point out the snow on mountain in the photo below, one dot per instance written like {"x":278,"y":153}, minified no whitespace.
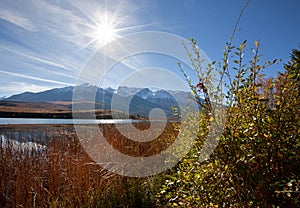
{"x":162,"y":94}
{"x":151,"y":93}
{"x":145,"y":93}
{"x":127,"y":91}
{"x":110,"y":90}
{"x":143,"y":99}
{"x":87,"y":92}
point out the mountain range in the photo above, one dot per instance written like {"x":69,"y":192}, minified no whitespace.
{"x":132,"y":100}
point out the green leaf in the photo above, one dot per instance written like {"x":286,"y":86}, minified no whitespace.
{"x":244,"y":126}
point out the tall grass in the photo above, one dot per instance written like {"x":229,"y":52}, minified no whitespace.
{"x":65,"y":176}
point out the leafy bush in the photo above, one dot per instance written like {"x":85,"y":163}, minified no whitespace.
{"x":256,"y":162}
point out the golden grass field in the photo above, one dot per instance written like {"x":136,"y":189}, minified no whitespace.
{"x":63,"y":175}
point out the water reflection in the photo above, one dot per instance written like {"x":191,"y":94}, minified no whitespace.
{"x":15,"y":121}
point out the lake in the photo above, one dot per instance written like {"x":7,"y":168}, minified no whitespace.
{"x":16,"y":121}
{"x":39,"y":130}
{"x":31,"y":133}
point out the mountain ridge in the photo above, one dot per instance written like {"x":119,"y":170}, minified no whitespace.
{"x":132,"y":100}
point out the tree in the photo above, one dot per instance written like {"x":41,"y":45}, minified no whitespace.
{"x":293,"y":66}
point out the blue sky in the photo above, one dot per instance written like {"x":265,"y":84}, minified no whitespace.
{"x":46,"y":44}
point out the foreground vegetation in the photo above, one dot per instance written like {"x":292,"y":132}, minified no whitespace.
{"x":65,"y":176}
{"x":257,"y":161}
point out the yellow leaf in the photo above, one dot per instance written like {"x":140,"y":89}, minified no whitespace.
{"x":256,"y":44}
{"x":197,"y":176}
{"x":226,"y":167}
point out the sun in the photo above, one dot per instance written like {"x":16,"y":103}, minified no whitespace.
{"x":104,"y":29}
{"x":105,"y":33}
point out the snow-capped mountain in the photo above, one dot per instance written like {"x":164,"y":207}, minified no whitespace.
{"x":162,"y":94}
{"x":146,"y":93}
{"x":142,"y":100}
{"x":127,"y":91}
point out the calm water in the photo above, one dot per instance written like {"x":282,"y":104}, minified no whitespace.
{"x":8,"y":121}
{"x":23,"y":136}
{"x":40,"y":134}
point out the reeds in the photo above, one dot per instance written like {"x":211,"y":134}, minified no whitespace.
{"x":65,"y":176}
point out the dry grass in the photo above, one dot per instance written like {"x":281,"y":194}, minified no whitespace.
{"x":65,"y":176}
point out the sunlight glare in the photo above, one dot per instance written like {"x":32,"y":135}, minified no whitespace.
{"x":105,"y":33}
{"x":104,"y":29}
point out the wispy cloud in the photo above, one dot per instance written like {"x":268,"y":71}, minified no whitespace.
{"x":17,"y":19}
{"x":35,"y":78}
{"x":34,"y":57}
{"x":20,"y":87}
{"x":55,"y":39}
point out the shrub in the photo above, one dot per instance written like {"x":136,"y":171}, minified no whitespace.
{"x":256,"y":162}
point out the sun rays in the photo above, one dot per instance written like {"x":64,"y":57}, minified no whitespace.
{"x":103,"y":24}
{"x":104,"y":28}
